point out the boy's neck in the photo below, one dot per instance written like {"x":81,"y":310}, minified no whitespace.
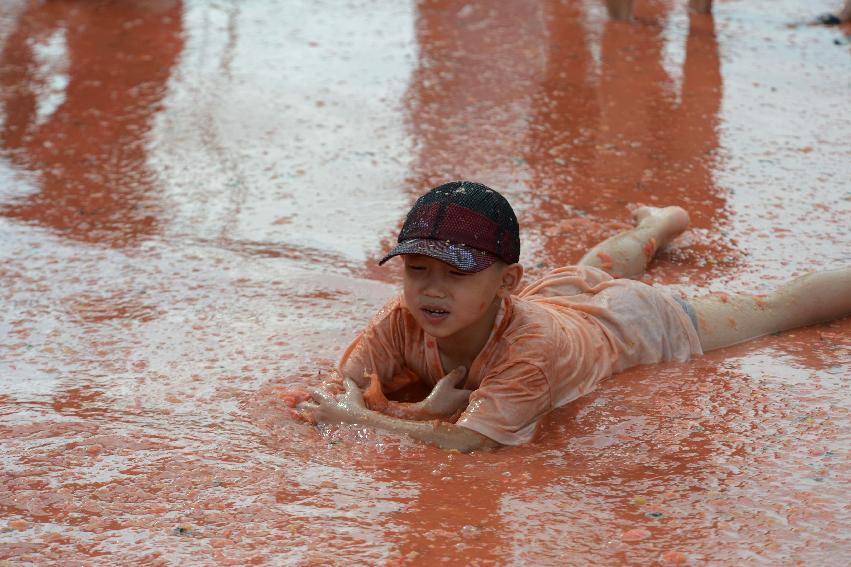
{"x":463,"y":347}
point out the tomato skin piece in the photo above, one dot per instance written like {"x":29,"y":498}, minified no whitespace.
{"x":373,"y":396}
{"x":292,"y":398}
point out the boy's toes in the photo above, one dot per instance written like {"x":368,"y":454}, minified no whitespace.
{"x":642,"y":212}
{"x":670,"y":220}
{"x":676,"y":218}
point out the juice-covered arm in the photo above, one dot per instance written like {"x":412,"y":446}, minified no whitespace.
{"x":349,"y":407}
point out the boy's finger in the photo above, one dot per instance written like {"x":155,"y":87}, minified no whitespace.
{"x":456,"y":376}
{"x":307,"y":406}
{"x":321,"y":396}
{"x":350,"y":385}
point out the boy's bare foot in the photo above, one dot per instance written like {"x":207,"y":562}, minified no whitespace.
{"x":670,"y":221}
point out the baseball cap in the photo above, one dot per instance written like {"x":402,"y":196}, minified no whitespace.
{"x":465,"y":224}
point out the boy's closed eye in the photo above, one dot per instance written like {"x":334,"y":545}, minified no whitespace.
{"x":418,"y":268}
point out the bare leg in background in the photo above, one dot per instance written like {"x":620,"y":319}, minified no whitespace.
{"x":700,"y":6}
{"x":621,"y":10}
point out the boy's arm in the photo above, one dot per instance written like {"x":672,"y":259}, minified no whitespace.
{"x":349,"y":407}
{"x":445,"y":399}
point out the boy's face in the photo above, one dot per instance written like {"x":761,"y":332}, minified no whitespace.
{"x":445,"y":301}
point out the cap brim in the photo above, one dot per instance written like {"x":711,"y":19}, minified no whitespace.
{"x":463,"y":258}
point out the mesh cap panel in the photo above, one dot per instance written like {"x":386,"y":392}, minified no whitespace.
{"x":463,"y":213}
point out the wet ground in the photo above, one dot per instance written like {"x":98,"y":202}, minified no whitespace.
{"x":192,"y":199}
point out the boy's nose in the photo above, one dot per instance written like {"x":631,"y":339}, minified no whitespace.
{"x":433,"y":287}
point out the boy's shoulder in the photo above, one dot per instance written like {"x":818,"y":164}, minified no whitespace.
{"x":553,"y":337}
{"x":532,"y":318}
{"x":392,"y":307}
{"x":531,"y":332}
{"x":394,"y":313}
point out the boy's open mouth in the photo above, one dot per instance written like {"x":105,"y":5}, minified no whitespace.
{"x":434,"y":314}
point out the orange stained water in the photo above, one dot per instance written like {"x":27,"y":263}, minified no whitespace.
{"x":192,"y":199}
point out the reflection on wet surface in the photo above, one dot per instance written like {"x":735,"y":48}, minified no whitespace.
{"x":79,"y":94}
{"x":192,"y":196}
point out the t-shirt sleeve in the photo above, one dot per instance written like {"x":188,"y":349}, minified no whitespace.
{"x":379,"y":348}
{"x":509,"y":404}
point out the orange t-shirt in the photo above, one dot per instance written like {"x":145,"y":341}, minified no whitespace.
{"x":551,"y":343}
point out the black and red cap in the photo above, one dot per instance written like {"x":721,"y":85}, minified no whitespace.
{"x":465,"y":224}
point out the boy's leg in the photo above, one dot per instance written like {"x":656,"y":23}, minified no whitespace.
{"x":626,"y":255}
{"x":725,"y":320}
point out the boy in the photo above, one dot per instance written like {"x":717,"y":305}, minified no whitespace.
{"x":517,"y":357}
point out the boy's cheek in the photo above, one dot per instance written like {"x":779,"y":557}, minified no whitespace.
{"x":407,"y":303}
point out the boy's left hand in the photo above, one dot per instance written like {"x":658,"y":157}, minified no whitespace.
{"x":348,"y":407}
{"x":446,"y":397}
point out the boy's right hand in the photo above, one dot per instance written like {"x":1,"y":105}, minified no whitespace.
{"x":446,"y":398}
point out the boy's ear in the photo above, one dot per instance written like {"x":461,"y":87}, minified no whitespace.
{"x":511,"y":276}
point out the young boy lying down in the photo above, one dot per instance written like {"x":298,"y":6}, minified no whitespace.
{"x":498,"y":358}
